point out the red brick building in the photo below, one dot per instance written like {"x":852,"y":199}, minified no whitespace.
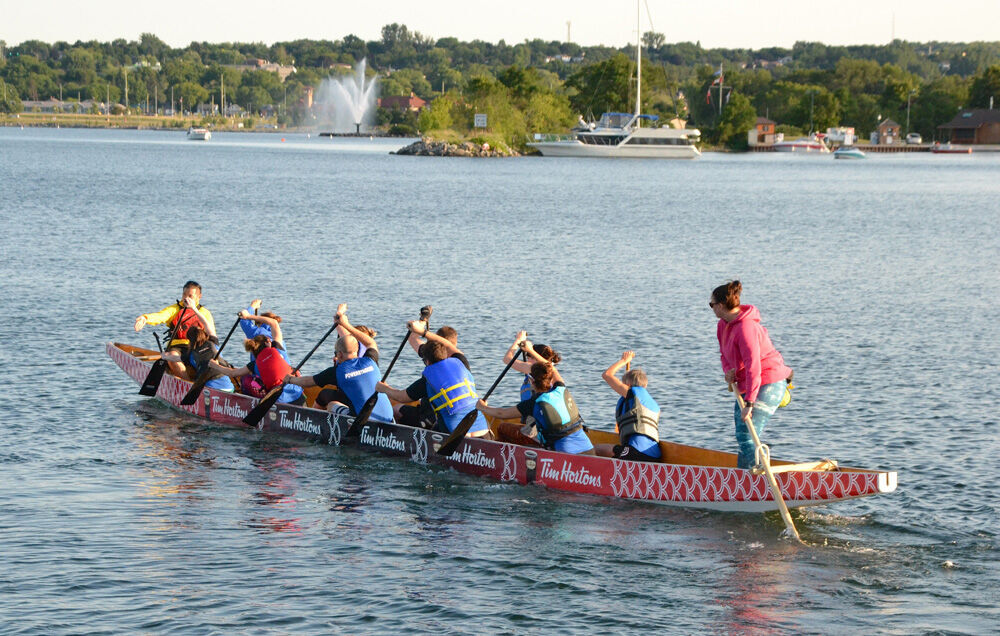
{"x":402,"y":102}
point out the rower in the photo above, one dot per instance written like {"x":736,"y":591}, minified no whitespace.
{"x":203,"y":345}
{"x":560,"y":426}
{"x":637,"y":415}
{"x":269,"y":364}
{"x":525,"y":434}
{"x":422,"y":415}
{"x":447,"y":385}
{"x":352,"y":378}
{"x":180,"y":316}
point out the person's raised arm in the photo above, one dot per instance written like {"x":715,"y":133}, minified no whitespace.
{"x":344,"y":327}
{"x":246,"y":324}
{"x":529,"y":348}
{"x":433,"y":337}
{"x":521,"y":366}
{"x":416,"y":327}
{"x":273,"y":324}
{"x":610,"y":376}
{"x":203,"y":315}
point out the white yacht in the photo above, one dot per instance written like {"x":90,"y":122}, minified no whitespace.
{"x":199,"y":134}
{"x":622,"y":134}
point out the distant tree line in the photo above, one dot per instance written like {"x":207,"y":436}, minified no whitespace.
{"x":532,"y":86}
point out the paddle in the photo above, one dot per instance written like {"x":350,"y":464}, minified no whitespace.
{"x":266,"y":402}
{"x":764,"y":455}
{"x":451,"y":443}
{"x":369,"y":405}
{"x":192,"y":395}
{"x":155,"y":375}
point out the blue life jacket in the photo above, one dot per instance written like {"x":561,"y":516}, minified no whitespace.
{"x":451,"y":392}
{"x":527,"y":390}
{"x":557,"y":416}
{"x":357,"y":379}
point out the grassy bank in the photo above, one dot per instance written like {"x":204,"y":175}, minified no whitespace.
{"x":154,"y":122}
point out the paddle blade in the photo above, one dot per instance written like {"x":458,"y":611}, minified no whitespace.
{"x":153,"y":378}
{"x":451,"y":443}
{"x":363,"y":415}
{"x":192,"y":395}
{"x":265,"y":404}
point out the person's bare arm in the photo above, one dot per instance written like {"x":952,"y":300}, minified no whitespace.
{"x":610,"y":376}
{"x":396,"y":395}
{"x":502,"y":412}
{"x":344,"y":327}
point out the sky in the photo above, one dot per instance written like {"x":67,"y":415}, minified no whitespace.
{"x":720,"y":23}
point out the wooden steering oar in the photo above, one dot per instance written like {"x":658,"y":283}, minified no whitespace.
{"x":765,"y":456}
{"x":366,"y":410}
{"x":192,"y":395}
{"x":449,"y":445}
{"x":266,"y":402}
{"x":155,"y":375}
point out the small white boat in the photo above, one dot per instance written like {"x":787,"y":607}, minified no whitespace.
{"x":813,"y":143}
{"x":948,"y":149}
{"x":848,"y":152}
{"x":199,"y":134}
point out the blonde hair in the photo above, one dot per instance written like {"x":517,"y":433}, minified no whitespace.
{"x":635,"y":377}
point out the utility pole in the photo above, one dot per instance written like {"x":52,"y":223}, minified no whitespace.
{"x":222,"y":98}
{"x":568,"y":39}
{"x":125,"y":71}
{"x":156,"y":99}
{"x":173,"y":113}
{"x":107,"y":103}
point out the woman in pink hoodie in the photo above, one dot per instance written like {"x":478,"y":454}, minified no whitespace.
{"x":751,"y":361}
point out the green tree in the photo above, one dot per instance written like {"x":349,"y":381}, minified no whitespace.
{"x":985,"y":85}
{"x":738,"y":116}
{"x":603,"y":87}
{"x":9,"y":101}
{"x":190,"y":95}
{"x":939,"y":101}
{"x":438,"y":116}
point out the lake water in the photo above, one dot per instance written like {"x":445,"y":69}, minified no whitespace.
{"x":876,"y":279}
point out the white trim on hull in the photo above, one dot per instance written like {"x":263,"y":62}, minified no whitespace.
{"x":628,"y":151}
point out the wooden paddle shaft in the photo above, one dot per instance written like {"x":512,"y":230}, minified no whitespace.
{"x":766,"y":457}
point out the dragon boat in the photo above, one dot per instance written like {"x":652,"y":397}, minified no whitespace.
{"x":687,"y":476}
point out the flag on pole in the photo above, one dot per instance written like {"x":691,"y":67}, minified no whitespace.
{"x":715,"y":82}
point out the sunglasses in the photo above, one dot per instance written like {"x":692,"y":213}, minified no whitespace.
{"x":712,"y":304}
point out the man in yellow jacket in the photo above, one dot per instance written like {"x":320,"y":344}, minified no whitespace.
{"x":188,"y":312}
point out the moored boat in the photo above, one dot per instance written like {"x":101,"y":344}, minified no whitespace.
{"x":949,"y":149}
{"x":622,"y":135}
{"x":812,"y":144}
{"x":849,"y":152}
{"x":199,"y":134}
{"x":688,"y":476}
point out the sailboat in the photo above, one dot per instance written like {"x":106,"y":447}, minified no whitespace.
{"x":622,"y":134}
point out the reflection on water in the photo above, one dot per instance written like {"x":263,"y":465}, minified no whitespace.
{"x":278,"y":492}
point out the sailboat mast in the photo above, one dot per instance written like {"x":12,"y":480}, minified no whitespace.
{"x":638,"y":63}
